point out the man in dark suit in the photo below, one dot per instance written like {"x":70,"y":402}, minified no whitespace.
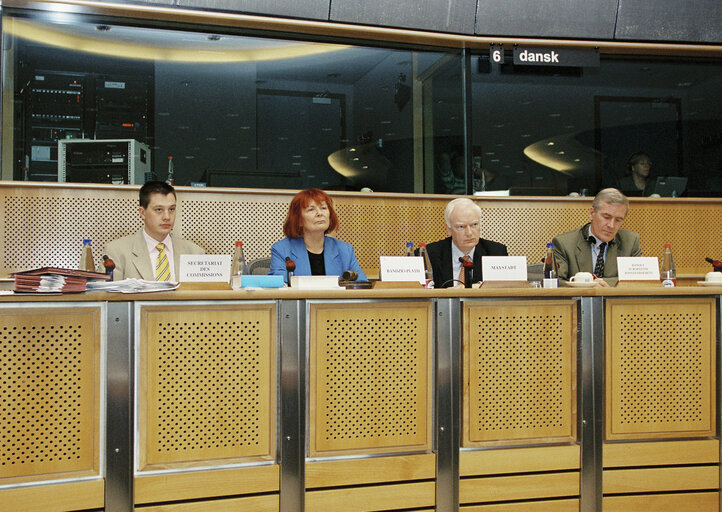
{"x":463,"y":224}
{"x":595,"y":246}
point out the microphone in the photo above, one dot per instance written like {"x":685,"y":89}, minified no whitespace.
{"x":109,"y":266}
{"x":715,"y":263}
{"x":290,"y":269}
{"x":349,"y":275}
{"x":468,"y":267}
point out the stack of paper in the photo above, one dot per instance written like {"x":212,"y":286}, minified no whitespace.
{"x":54,"y":280}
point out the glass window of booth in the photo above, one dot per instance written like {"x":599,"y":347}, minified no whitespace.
{"x":92,"y":99}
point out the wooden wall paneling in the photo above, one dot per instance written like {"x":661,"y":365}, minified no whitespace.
{"x":207,"y":385}
{"x":254,"y":503}
{"x":518,"y":487}
{"x":563,"y":505}
{"x":375,"y":497}
{"x":195,"y":485}
{"x":650,"y":480}
{"x":519,"y":460}
{"x":59,"y":497}
{"x":661,"y":453}
{"x":699,"y":502}
{"x":371,"y":376}
{"x":331,"y":473}
{"x":660,"y":368}
{"x":51,"y":396}
{"x":519,"y":360}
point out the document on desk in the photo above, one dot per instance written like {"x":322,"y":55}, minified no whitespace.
{"x":132,"y":286}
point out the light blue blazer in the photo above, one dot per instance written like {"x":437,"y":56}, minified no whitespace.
{"x":338,"y":256}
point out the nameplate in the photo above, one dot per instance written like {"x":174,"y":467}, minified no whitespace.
{"x":402,"y":268}
{"x":568,"y":57}
{"x":503,"y":268}
{"x":208,"y":268}
{"x":640,"y":268}
{"x":314,"y":282}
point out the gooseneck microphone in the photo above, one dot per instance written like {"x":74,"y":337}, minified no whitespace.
{"x":109,"y":266}
{"x":468,"y":267}
{"x":290,"y":269}
{"x":715,"y":263}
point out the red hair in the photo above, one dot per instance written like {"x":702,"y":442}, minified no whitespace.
{"x":293,"y":226}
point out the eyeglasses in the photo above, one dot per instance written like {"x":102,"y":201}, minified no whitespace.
{"x":474,"y":226}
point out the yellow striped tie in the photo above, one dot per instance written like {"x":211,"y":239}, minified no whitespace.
{"x":162,"y":269}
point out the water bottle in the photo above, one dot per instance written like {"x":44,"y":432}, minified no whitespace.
{"x":239,"y":267}
{"x":86,"y":256}
{"x":171,"y":175}
{"x":668,"y":274}
{"x":428,"y":272}
{"x":409,"y":248}
{"x":550,"y":268}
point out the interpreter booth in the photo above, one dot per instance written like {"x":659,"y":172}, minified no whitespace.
{"x":518,"y":399}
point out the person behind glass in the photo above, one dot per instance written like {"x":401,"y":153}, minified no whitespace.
{"x":310,"y":217}
{"x":153,"y":253}
{"x":637,"y":181}
{"x":463,"y":225}
{"x":596,"y":245}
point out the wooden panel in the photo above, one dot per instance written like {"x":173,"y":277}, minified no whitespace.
{"x":384,"y":497}
{"x":519,"y":460}
{"x":698,"y":502}
{"x":660,"y":368}
{"x":205,"y":484}
{"x":370,"y":377}
{"x":207,"y":384}
{"x":50,"y":393}
{"x":370,"y":470}
{"x":54,"y":497}
{"x":520,"y":372}
{"x":661,"y":453}
{"x":254,"y":503}
{"x":570,"y":505}
{"x":617,"y":481}
{"x":520,"y":487}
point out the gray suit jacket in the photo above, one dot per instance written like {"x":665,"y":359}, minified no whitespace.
{"x":130,"y":255}
{"x":572,"y":253}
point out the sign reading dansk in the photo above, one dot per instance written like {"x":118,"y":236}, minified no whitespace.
{"x":556,"y":57}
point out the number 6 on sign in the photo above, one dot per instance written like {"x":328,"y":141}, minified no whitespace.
{"x":496,"y":54}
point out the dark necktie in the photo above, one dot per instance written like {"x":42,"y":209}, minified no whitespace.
{"x":599,"y":266}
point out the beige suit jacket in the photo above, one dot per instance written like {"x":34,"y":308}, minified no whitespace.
{"x":130,"y":255}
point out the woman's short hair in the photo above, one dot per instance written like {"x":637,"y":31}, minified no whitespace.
{"x":293,"y":225}
{"x":635,"y":158}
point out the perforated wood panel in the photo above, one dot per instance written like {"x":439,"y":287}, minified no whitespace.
{"x":207,"y":381}
{"x":44,"y":224}
{"x":50,"y":393}
{"x":660,"y":368}
{"x":519,"y":372}
{"x":371,"y":376}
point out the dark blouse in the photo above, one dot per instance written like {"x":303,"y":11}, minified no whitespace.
{"x":318,"y":267}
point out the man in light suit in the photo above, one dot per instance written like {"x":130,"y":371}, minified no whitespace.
{"x":595,"y":246}
{"x":152,"y":250}
{"x":463,"y":225}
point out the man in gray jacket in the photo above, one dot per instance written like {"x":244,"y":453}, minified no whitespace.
{"x":595,"y":246}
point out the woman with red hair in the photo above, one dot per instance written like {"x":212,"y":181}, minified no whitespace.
{"x":310,"y":217}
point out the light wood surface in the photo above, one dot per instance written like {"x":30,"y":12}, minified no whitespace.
{"x":370,"y":470}
{"x":649,"y":480}
{"x":660,"y":368}
{"x":51,"y":393}
{"x":207,"y":384}
{"x":569,"y":505}
{"x":370,"y":377}
{"x":705,"y":451}
{"x":206,"y":484}
{"x":251,"y":503}
{"x":371,"y":498}
{"x":518,"y":487}
{"x":54,"y":498}
{"x":520,"y":370}
{"x":519,"y":460}
{"x":692,"y":502}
